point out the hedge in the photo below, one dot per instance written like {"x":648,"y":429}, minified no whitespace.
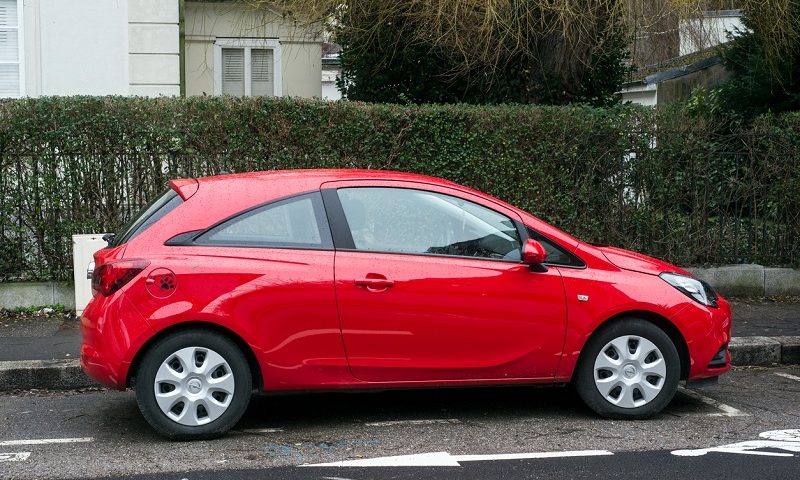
{"x":658,"y":181}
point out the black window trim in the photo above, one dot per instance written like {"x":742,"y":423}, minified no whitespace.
{"x":580,"y":263}
{"x":133,"y":228}
{"x":340,"y":229}
{"x":343,"y":238}
{"x":189,"y":239}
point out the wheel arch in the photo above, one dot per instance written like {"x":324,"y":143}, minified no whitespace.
{"x":252,"y":361}
{"x":659,"y":321}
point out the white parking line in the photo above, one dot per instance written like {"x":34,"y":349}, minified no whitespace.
{"x":14,"y":457}
{"x":45,"y":441}
{"x":788,"y":375}
{"x":391,"y":423}
{"x":259,"y":431}
{"x":444,"y":459}
{"x":725,"y":410}
{"x":787,"y":440}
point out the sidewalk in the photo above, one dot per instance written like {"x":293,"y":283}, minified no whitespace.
{"x":29,"y":337}
{"x":43,"y":351}
{"x":765,"y":317}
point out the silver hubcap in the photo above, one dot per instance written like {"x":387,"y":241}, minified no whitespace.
{"x":630,"y":371}
{"x":194,"y":386}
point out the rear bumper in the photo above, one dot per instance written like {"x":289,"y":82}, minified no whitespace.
{"x":112,"y":331}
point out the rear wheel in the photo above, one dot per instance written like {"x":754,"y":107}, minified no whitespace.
{"x":193,"y":385}
{"x":628,"y":370}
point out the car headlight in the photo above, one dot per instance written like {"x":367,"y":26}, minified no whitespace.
{"x":693,"y":288}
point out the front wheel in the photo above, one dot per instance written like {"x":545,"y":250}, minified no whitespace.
{"x":193,"y":385}
{"x":628,"y":370}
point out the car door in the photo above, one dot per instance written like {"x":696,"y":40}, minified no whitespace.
{"x":430,"y":286}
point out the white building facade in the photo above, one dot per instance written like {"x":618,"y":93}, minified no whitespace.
{"x":713,"y":28}
{"x":709,"y":30}
{"x":153,"y":48}
{"x":89,"y":47}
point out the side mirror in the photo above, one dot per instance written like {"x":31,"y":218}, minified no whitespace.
{"x":534,"y":254}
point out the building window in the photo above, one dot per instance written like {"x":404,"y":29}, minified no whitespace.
{"x":247,"y":67}
{"x":11,"y":72}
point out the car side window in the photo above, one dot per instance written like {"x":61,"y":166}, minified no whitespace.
{"x":405,"y":220}
{"x":294,"y":222}
{"x":556,"y":254}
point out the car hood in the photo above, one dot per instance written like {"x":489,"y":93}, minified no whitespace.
{"x":637,"y":262}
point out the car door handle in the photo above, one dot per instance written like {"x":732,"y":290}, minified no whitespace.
{"x":375,"y":284}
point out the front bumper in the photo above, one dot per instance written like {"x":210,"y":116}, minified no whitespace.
{"x":707,"y":332}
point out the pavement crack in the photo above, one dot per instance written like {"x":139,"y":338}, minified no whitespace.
{"x":73,"y":417}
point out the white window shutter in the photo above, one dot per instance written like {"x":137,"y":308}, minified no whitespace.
{"x":9,"y":45}
{"x":233,"y":71}
{"x":8,"y":13}
{"x":9,"y":81}
{"x":9,"y":49}
{"x":261,"y":72}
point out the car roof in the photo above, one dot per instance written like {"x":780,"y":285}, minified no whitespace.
{"x":319,"y":176}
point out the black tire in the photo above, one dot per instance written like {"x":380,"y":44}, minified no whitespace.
{"x":159,"y":353}
{"x":584,"y":378}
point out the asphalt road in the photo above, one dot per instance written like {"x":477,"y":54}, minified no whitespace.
{"x":644,"y":465}
{"x":455,"y":433}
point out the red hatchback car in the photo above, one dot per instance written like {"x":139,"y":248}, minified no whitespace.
{"x":334,"y":279}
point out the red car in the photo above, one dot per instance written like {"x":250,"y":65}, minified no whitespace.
{"x":341,"y":279}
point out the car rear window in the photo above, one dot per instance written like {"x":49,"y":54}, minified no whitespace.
{"x":148,"y":215}
{"x":297,"y":222}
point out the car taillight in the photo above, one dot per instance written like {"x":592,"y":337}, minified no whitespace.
{"x":110,"y":277}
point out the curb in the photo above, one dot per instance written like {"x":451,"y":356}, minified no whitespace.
{"x":43,"y":374}
{"x":67,"y":374}
{"x":764,"y":350}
